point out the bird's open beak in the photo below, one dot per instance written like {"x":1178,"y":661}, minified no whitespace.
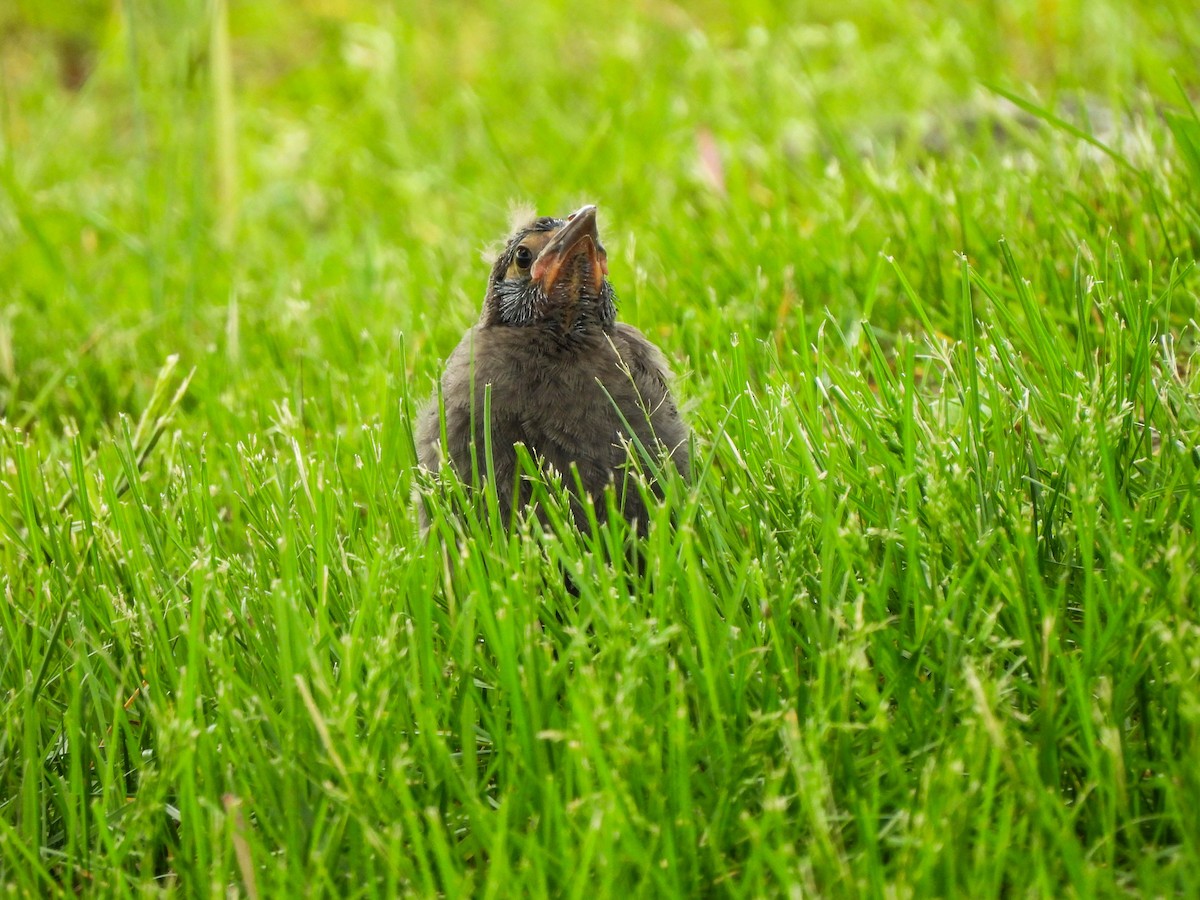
{"x":578,"y":236}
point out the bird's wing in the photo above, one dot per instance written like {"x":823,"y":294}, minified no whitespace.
{"x":455,"y":391}
{"x":647,"y":367}
{"x":428,"y":436}
{"x":645,"y":362}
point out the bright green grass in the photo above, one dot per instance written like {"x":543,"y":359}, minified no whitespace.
{"x":927,"y":620}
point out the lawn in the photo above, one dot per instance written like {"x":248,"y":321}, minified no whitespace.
{"x":925,"y":619}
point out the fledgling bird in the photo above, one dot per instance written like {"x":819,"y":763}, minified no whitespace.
{"x":567,"y":379}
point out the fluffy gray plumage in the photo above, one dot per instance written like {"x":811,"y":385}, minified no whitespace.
{"x":564,"y":374}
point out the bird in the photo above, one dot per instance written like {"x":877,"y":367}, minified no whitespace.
{"x":580,"y":390}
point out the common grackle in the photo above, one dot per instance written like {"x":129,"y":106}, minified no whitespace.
{"x":567,"y":380}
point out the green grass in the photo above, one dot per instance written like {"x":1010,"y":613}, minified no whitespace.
{"x":926,"y":622}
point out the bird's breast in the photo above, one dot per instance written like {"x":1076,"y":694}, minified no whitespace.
{"x":548,"y":396}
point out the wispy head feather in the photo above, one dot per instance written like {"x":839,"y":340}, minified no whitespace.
{"x":520,"y":215}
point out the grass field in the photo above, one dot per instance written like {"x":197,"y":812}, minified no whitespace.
{"x":926,"y":622}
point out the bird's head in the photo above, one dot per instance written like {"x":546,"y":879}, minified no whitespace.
{"x":553,"y":273}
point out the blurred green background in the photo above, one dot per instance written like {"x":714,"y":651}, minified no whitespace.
{"x":329,"y":171}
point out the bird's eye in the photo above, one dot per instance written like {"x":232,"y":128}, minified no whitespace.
{"x":524,"y":257}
